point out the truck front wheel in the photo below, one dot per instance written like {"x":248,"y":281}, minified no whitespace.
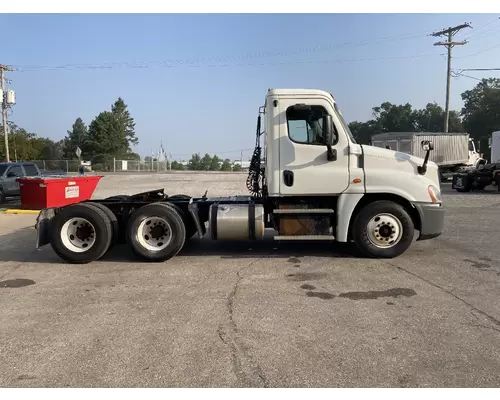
{"x":383,"y":229}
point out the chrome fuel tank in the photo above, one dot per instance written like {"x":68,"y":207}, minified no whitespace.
{"x":236,"y":222}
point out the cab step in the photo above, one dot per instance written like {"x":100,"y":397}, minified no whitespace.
{"x":304,"y":237}
{"x":303,"y":211}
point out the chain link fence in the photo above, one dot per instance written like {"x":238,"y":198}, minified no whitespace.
{"x":113,"y":165}
{"x":57,"y":166}
{"x":140,"y":166}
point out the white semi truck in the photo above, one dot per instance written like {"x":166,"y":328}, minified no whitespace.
{"x":452,"y":151}
{"x":485,"y":174}
{"x":314,"y":182}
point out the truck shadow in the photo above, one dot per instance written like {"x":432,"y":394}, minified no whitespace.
{"x":267,"y":248}
{"x":19,"y":246}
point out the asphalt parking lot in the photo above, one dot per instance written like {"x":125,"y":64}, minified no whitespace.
{"x":255,"y":314}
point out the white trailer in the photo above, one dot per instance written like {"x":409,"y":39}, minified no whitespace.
{"x":452,"y":151}
{"x":495,"y":147}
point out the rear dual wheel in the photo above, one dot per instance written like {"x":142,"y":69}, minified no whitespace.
{"x":156,"y":232}
{"x":83,"y":232}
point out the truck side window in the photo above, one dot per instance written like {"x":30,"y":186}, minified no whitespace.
{"x":30,"y":170}
{"x":306,"y":127}
{"x":17,"y":170}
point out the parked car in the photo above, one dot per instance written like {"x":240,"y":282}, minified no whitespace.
{"x":9,"y":172}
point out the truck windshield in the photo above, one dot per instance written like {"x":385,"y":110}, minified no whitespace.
{"x":2,"y":169}
{"x":344,"y":124}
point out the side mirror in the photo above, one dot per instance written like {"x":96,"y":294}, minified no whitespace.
{"x":11,"y":175}
{"x":427,"y":145}
{"x":328,"y":130}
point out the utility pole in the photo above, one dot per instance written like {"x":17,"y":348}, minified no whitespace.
{"x":449,"y":33}
{"x":4,"y":68}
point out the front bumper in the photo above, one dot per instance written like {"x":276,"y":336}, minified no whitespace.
{"x":431,"y":220}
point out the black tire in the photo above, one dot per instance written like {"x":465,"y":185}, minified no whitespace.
{"x":114,"y":223}
{"x":361,"y":234}
{"x":103,"y":232}
{"x":2,"y":196}
{"x":177,"y":231}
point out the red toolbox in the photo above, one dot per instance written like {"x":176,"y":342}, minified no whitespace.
{"x":55,"y":191}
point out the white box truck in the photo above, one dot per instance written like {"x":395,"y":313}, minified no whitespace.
{"x":452,"y":151}
{"x":495,"y":147}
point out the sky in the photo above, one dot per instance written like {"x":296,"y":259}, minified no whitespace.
{"x":194,"y":82}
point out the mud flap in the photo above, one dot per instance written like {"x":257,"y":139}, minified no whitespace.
{"x":42,"y":226}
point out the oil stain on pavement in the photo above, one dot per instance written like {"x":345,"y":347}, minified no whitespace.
{"x":16,"y":283}
{"x":375,"y":294}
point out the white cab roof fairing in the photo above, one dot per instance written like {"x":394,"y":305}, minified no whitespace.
{"x":297,"y":92}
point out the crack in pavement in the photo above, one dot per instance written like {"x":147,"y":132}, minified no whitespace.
{"x":247,"y":371}
{"x":491,"y":318}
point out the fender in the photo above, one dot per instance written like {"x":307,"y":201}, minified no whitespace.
{"x":345,"y":206}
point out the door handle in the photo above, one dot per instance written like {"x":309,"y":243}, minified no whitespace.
{"x":288,"y":177}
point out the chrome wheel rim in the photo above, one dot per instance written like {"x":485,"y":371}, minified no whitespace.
{"x":385,"y":230}
{"x":78,"y":235}
{"x":154,"y":234}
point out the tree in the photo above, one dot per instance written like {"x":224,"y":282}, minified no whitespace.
{"x":194,"y":163}
{"x":215,"y":164}
{"x":132,"y":156}
{"x":75,"y":138}
{"x":27,"y":146}
{"x":394,"y":118}
{"x":363,"y":131}
{"x":105,"y":139}
{"x":431,"y":119}
{"x":206,"y":162}
{"x":127,"y":124}
{"x":226,"y":165}
{"x":481,"y":110}
{"x":237,"y":167}
{"x":48,"y":149}
{"x":177,"y":166}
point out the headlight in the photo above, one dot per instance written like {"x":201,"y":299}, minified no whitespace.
{"x":434,"y":194}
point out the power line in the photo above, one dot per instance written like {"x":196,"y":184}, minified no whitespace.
{"x":479,"y":52}
{"x":449,"y":44}
{"x":459,"y":74}
{"x":476,"y":30}
{"x":165,"y":65}
{"x":480,"y":69}
{"x":239,"y":57}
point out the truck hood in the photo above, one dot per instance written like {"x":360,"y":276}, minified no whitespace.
{"x":397,"y":162}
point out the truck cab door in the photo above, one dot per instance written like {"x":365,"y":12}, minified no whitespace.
{"x":307,"y":167}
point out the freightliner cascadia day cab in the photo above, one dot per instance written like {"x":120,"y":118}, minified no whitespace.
{"x":308,"y":180}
